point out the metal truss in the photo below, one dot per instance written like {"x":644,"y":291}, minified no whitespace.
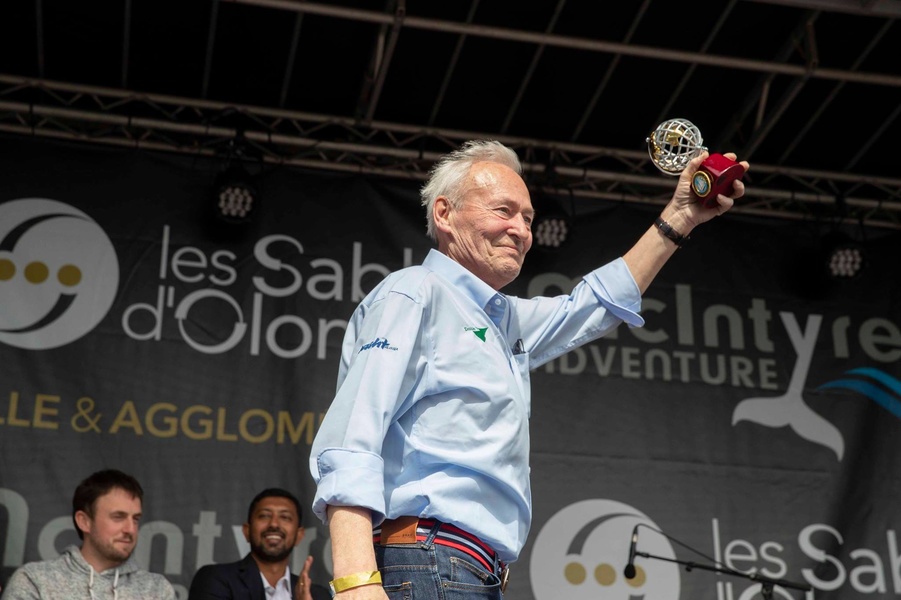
{"x":111,"y":117}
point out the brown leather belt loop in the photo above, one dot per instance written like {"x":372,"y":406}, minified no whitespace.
{"x":401,"y":530}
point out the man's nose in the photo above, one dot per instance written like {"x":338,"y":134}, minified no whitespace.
{"x":520,"y":227}
{"x":273,"y":523}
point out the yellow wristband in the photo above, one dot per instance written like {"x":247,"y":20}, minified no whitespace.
{"x":354,"y":580}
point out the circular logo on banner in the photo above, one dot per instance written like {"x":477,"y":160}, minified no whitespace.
{"x":580,"y":554}
{"x":58,"y":273}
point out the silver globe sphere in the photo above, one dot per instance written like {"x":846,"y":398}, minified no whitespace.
{"x":673,"y":144}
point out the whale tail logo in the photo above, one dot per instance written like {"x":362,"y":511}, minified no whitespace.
{"x":789,"y":409}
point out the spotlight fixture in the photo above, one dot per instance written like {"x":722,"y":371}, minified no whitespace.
{"x":235,"y":197}
{"x":552,"y":227}
{"x":846,"y":261}
{"x":551,"y":231}
{"x":845,"y":258}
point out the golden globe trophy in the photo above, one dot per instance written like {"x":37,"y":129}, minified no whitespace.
{"x":674,"y":143}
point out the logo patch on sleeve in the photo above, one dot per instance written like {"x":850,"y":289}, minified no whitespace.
{"x":380,"y":344}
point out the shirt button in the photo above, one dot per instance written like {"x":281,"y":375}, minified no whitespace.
{"x":497,"y":301}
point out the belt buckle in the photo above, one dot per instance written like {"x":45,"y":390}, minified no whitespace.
{"x":505,"y":577}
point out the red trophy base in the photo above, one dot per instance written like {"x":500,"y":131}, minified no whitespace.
{"x":715,"y":177}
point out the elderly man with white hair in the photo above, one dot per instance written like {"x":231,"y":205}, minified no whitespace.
{"x":422,"y":461}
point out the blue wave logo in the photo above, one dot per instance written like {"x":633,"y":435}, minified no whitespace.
{"x":873,"y":388}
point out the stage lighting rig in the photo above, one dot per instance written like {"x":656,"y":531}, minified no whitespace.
{"x":235,"y":197}
{"x":845,"y":258}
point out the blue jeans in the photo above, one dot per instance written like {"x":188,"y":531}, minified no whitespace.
{"x":428,"y":571}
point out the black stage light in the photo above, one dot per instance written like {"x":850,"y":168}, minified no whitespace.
{"x":235,"y":197}
{"x":845,"y":258}
{"x":551,"y":231}
{"x":552,"y":227}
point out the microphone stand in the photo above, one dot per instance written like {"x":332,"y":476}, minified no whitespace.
{"x":766,"y":583}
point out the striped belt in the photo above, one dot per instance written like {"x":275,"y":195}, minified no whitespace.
{"x":410,"y":530}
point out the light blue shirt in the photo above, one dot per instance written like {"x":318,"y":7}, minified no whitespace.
{"x":282,"y":589}
{"x":431,"y":416}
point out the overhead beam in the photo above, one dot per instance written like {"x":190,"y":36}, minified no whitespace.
{"x":289,"y":64}
{"x":530,"y":70}
{"x":579,"y":43}
{"x":387,"y":54}
{"x":210,"y":46}
{"x":451,"y":66}
{"x":126,"y":43}
{"x":117,"y":117}
{"x":112,"y":100}
{"x":873,"y":8}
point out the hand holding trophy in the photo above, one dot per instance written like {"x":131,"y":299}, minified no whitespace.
{"x":675,"y":142}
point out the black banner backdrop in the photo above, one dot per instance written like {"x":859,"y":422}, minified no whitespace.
{"x":754,"y":419}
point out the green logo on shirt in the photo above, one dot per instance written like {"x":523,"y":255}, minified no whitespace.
{"x":480,"y":332}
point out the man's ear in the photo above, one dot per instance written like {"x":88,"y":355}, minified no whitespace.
{"x":83,"y":520}
{"x":441,"y":213}
{"x":300,"y":533}
{"x":246,"y":529}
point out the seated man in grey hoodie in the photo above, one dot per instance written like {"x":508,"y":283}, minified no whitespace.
{"x":106,"y":509}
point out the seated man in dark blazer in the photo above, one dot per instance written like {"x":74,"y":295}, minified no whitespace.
{"x":273,"y":529}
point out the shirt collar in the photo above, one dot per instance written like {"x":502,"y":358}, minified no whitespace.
{"x":480,"y":292}
{"x":492,"y":302}
{"x":283,"y":583}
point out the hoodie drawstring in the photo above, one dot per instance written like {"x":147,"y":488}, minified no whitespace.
{"x":115,"y":584}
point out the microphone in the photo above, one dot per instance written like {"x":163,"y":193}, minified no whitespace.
{"x":629,"y":569}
